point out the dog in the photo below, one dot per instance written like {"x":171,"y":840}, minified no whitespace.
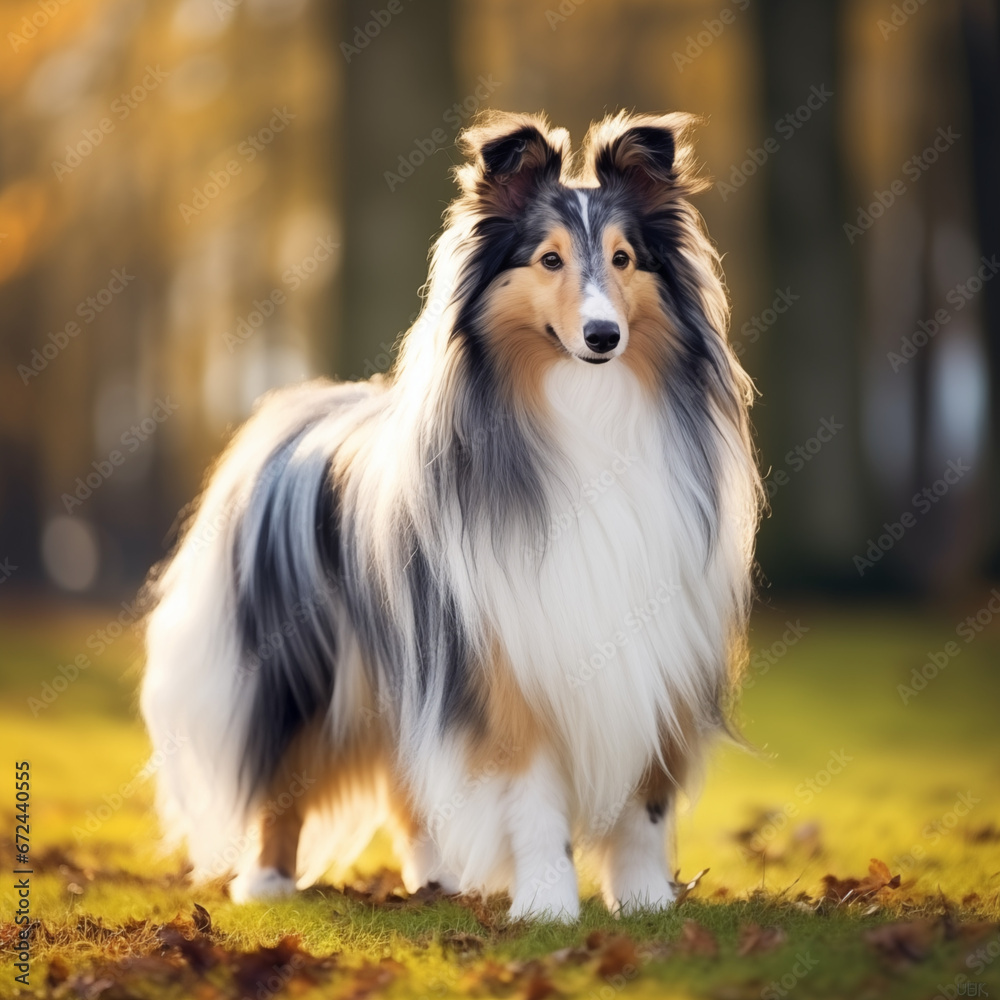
{"x":494,"y":601}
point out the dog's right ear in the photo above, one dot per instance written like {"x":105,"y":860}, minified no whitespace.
{"x":510,"y":157}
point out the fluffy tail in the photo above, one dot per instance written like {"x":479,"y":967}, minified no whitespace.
{"x":242,"y":641}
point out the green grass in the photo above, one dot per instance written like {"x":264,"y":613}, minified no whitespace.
{"x":915,"y":785}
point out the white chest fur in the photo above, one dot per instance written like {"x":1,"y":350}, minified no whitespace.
{"x":605,"y":627}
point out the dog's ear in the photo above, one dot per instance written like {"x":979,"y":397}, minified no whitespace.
{"x":511,"y":156}
{"x":645,"y":152}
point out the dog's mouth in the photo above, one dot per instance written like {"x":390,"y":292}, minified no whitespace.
{"x":592,"y":360}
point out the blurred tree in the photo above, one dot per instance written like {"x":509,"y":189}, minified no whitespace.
{"x":398,"y":122}
{"x":808,"y":370}
{"x":981,"y":34}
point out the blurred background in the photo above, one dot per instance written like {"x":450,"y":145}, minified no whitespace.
{"x":203,"y":199}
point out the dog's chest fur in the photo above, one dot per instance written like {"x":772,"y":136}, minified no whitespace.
{"x":600,"y":640}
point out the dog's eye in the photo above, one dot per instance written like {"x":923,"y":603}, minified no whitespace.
{"x":551,"y":261}
{"x":620,"y":259}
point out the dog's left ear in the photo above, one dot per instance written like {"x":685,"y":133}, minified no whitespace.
{"x":511,"y":156}
{"x":646,"y":152}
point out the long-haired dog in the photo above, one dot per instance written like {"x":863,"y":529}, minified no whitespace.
{"x":493,"y":600}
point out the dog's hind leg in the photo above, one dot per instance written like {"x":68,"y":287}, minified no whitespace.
{"x":635,"y":854}
{"x":418,"y":854}
{"x":272,"y":875}
{"x":634,"y":872}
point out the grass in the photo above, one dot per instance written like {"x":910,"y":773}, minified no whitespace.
{"x":846,"y":772}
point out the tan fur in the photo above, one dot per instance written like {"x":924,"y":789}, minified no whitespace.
{"x":513,"y":730}
{"x":648,"y":333}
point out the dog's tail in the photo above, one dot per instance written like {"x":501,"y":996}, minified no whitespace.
{"x":242,"y":641}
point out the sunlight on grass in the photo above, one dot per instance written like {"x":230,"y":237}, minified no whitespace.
{"x":845,"y":772}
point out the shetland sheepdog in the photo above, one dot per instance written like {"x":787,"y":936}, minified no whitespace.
{"x":493,"y":601}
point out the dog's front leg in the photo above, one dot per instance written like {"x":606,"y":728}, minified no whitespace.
{"x":536,"y":812}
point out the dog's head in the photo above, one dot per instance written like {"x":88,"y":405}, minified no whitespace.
{"x":571,"y":264}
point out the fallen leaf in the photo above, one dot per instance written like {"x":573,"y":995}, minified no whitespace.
{"x":617,"y":955}
{"x":757,"y":940}
{"x":684,"y":889}
{"x":902,"y":943}
{"x":58,"y":971}
{"x":850,"y":890}
{"x":202,"y":919}
{"x":697,"y":940}
{"x":538,"y":987}
{"x":462,"y":943}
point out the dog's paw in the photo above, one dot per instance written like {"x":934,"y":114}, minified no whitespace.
{"x":648,"y":896}
{"x":260,"y":883}
{"x":422,"y":866}
{"x":533,"y":905}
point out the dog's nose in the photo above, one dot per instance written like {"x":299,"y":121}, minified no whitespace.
{"x":601,"y":335}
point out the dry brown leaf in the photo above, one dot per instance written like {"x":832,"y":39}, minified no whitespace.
{"x":58,"y":971}
{"x":697,"y":940}
{"x":849,"y":890}
{"x":902,"y":943}
{"x":462,"y":943}
{"x":538,"y":987}
{"x":201,"y":919}
{"x":757,"y":940}
{"x":684,"y":889}
{"x":373,"y":978}
{"x":616,"y":956}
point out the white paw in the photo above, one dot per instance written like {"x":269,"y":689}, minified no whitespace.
{"x":639,"y":895}
{"x":260,"y":883}
{"x":547,"y":902}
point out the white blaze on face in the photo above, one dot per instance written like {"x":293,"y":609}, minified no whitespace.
{"x":596,"y":304}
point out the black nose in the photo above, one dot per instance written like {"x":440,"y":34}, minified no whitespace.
{"x":601,"y":335}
